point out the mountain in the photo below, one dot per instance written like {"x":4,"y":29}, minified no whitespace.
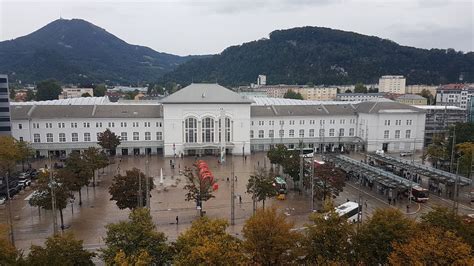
{"x":325,"y":56}
{"x":78,"y":51}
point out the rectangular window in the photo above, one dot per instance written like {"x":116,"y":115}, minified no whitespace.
{"x":260,"y":134}
{"x":398,"y":122}
{"x":351,"y":132}
{"x":87,"y":125}
{"x":98,"y":124}
{"x":73,"y":125}
{"x":292,"y":122}
{"x":147,"y":135}
{"x":301,"y":133}
{"x":251,"y":134}
{"x":147,"y":124}
{"x":301,"y":122}
{"x":281,"y":133}
{"x":35,"y":125}
{"x":49,"y":125}
{"x":87,"y":136}
{"x":342,"y":122}
{"x":386,"y":134}
{"x":408,"y":134}
{"x":36,"y":138}
{"x":49,"y":137}
{"x":111,"y":124}
{"x":136,"y":136}
{"x":409,"y":122}
{"x":74,"y":137}
{"x":282,"y":122}
{"x":159,"y":135}
{"x":387,"y":122}
{"x":331,"y":132}
{"x":20,"y":126}
{"x":251,"y":123}
{"x":311,"y":132}
{"x":322,"y":122}
{"x":158,"y":124}
{"x":123,"y":124}
{"x":61,"y":125}
{"x":271,"y":133}
{"x":341,"y":132}
{"x":321,"y":132}
{"x":123,"y":136}
{"x":292,"y":133}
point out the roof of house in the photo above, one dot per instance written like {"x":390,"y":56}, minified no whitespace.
{"x":203,"y":93}
{"x":301,"y":110}
{"x":385,"y":107}
{"x":411,"y":97}
{"x":19,"y":112}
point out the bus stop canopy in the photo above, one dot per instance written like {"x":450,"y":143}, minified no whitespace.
{"x":418,"y":168}
{"x":373,"y":173}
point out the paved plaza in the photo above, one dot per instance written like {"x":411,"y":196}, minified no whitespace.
{"x":87,"y":222}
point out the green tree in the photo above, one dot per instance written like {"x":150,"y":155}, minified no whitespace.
{"x":8,"y":253}
{"x":207,"y":243}
{"x":261,"y":185}
{"x":269,"y":239}
{"x":142,"y":259}
{"x":427,"y":94}
{"x":60,"y":250}
{"x":375,"y":238}
{"x":78,"y":173}
{"x":437,"y":152}
{"x":198,"y":189}
{"x":291,"y":165}
{"x":277,"y":154}
{"x":432,"y":247}
{"x":373,"y":90}
{"x":42,"y":197}
{"x":447,"y":220}
{"x":125,"y":189}
{"x":99,"y":90}
{"x":360,"y":88}
{"x":86,"y":94}
{"x":94,"y":160}
{"x":348,"y":91}
{"x":11,"y":152}
{"x":290,"y":94}
{"x":466,"y":150}
{"x":327,"y":238}
{"x":12,"y":93}
{"x":30,"y":95}
{"x":108,"y":140}
{"x":134,"y":238}
{"x":328,"y":181}
{"x":47,"y":90}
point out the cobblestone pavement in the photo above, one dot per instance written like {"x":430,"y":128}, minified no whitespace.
{"x":87,"y":222}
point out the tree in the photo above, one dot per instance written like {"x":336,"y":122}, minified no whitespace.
{"x":11,"y":152}
{"x":446,"y":220}
{"x":8,"y":254}
{"x":25,"y":152}
{"x":373,"y":90}
{"x":427,"y":94}
{"x":47,"y":90}
{"x":125,"y":189}
{"x":277,"y":154}
{"x":86,"y":94}
{"x":328,"y":181}
{"x":375,"y":238}
{"x":290,"y":94}
{"x":108,"y":140}
{"x":432,"y":247}
{"x":207,"y":243}
{"x":78,"y":173}
{"x":327,"y":239}
{"x":261,"y":185}
{"x":360,"y":88}
{"x":142,"y":259}
{"x":137,"y":239}
{"x":60,"y":250}
{"x":269,"y":239}
{"x":12,"y":93}
{"x":348,"y":91}
{"x":466,"y":149}
{"x":42,"y":197}
{"x":30,"y":95}
{"x":199,"y":188}
{"x":291,"y":165}
{"x":437,"y":151}
{"x":99,"y":90}
{"x":94,"y":160}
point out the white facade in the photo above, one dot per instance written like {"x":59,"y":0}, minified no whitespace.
{"x":363,"y":97}
{"x":261,"y":80}
{"x":392,"y":84}
{"x":68,"y":93}
{"x":455,"y":95}
{"x":209,"y":119}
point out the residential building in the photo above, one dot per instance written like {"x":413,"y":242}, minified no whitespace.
{"x":454,"y":95}
{"x":440,"y":118}
{"x":319,"y":93}
{"x":412,"y":99}
{"x":209,"y":119}
{"x":5,"y":127}
{"x":471,"y":110}
{"x":417,"y":89}
{"x":392,"y":84}
{"x":261,"y":80}
{"x":68,"y":93}
{"x":363,"y":97}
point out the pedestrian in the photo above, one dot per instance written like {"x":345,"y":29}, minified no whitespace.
{"x":389,"y":200}
{"x":177,"y":220}
{"x":408,"y":208}
{"x":245,"y":158}
{"x":394,"y":201}
{"x":235,"y":178}
{"x":365,"y":203}
{"x":240,"y":199}
{"x":347,"y":200}
{"x":227,"y":179}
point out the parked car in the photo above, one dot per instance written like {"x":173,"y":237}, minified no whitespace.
{"x":379,"y":152}
{"x":24,"y":183}
{"x":23,"y":176}
{"x":2,"y":200}
{"x":406,"y":153}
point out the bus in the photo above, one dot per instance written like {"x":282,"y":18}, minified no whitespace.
{"x":419,"y":194}
{"x":349,"y":210}
{"x":280,"y":185}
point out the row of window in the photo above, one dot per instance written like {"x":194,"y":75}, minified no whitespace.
{"x":301,"y":133}
{"x":398,"y":122}
{"x":386,"y":134}
{"x":207,"y":130}
{"x":302,"y":122}
{"x":97,"y":124}
{"x":87,"y":137}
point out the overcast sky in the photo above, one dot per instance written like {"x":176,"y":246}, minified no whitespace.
{"x":208,"y":26}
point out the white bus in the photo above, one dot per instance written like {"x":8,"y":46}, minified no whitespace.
{"x":349,"y":210}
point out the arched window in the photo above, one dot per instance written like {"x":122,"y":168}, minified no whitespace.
{"x":208,"y":130}
{"x":190,"y":130}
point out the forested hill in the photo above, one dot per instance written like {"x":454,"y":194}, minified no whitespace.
{"x":325,"y":56}
{"x":78,"y":51}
